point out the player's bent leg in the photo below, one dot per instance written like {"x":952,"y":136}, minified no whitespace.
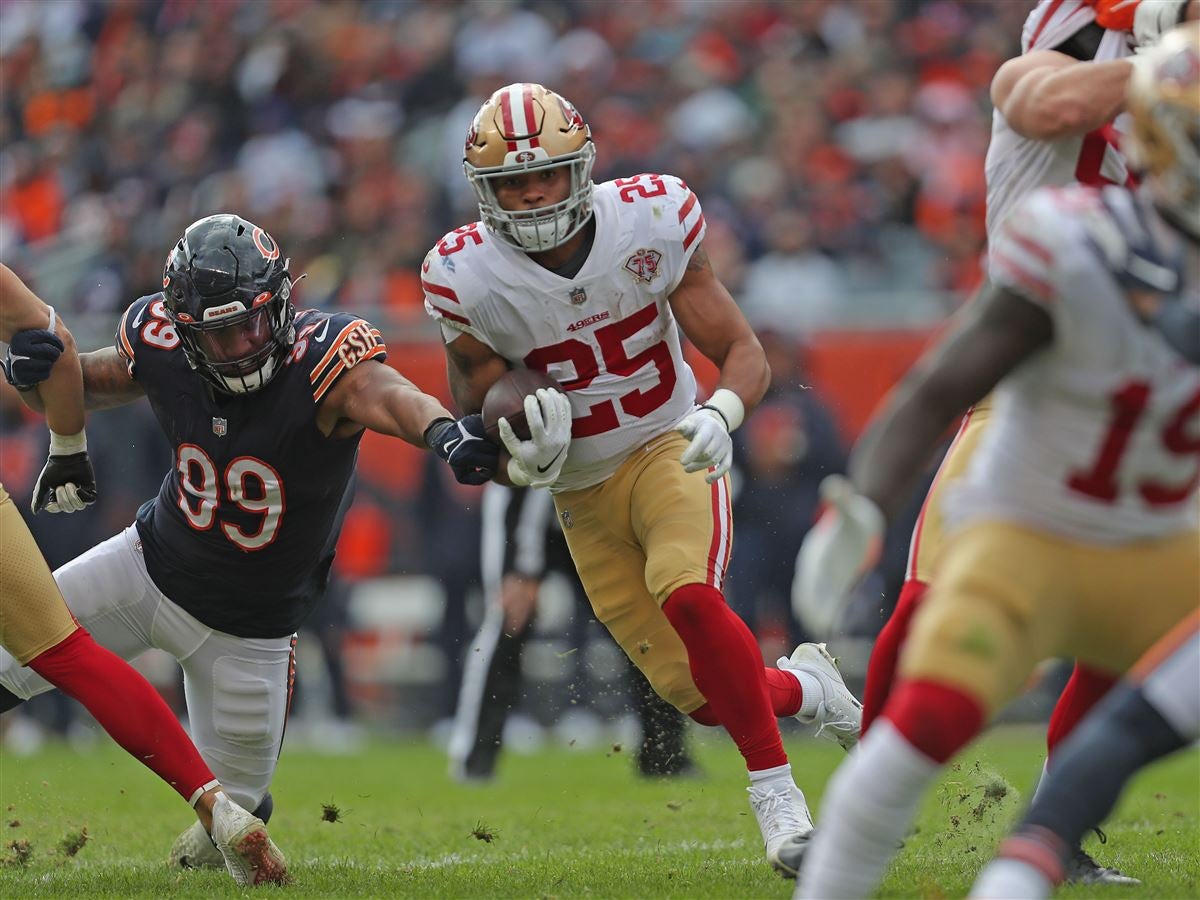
{"x":885,"y":655}
{"x":1083,"y":690}
{"x":1125,"y":733}
{"x":127,"y":707}
{"x":237,"y":692}
{"x":825,"y":700}
{"x":109,"y":595}
{"x":33,"y":616}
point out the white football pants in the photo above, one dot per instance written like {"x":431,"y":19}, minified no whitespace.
{"x":237,"y":689}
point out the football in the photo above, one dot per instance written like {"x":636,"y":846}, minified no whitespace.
{"x":506,"y":399}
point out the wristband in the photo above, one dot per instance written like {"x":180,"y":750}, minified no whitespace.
{"x":66,"y":444}
{"x":728,"y":406}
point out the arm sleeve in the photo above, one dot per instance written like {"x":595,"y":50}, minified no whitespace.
{"x":128,"y":339}
{"x":1026,"y":253}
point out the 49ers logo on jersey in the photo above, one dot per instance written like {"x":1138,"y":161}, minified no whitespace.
{"x":643,"y":265}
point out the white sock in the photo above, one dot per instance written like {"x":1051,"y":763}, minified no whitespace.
{"x":1005,"y":879}
{"x":811,"y":692}
{"x":775,"y":778}
{"x":868,"y":806}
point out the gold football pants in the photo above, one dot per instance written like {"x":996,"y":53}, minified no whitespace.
{"x":1006,"y":596}
{"x":635,"y":538}
{"x":33,"y":615}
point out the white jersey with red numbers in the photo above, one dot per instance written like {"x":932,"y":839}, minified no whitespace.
{"x":607,"y":335}
{"x":1016,"y":165}
{"x":1097,"y":436}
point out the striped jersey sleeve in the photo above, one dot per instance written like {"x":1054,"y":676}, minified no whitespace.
{"x":332,"y":345}
{"x":1024,"y":256}
{"x":685,"y":220}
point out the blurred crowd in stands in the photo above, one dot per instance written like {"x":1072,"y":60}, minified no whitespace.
{"x":837,"y":148}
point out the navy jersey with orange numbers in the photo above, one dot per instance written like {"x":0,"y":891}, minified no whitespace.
{"x":242,"y":532}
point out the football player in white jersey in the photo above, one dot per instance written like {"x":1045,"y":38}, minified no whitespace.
{"x":1057,"y":118}
{"x":592,"y":284}
{"x":1087,"y":476}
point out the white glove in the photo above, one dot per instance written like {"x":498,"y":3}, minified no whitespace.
{"x":711,"y":446}
{"x":537,"y":461}
{"x":1154,"y":18}
{"x":844,"y":543}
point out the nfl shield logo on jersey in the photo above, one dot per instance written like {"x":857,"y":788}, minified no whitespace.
{"x":220,"y":426}
{"x":578,"y":296}
{"x":643,"y":265}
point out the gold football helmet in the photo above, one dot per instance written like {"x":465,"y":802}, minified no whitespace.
{"x":1164,"y":142}
{"x":523,"y":127}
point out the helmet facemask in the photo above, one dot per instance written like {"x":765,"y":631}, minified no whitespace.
{"x":537,"y":230}
{"x":212,"y":345}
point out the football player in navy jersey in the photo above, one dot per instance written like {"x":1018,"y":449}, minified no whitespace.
{"x":264,"y":406}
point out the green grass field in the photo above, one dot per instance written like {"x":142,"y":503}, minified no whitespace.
{"x":565,"y":824}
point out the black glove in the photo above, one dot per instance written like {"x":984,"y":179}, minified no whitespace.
{"x":31,"y":355}
{"x":464,"y":445}
{"x":67,"y":484}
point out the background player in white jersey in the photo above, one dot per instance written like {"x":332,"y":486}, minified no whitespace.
{"x":1056,"y":121}
{"x":1087,"y":476}
{"x":589,"y":283}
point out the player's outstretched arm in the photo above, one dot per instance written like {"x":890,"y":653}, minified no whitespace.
{"x":379,"y":398}
{"x":710,"y":318}
{"x":1046,"y":95}
{"x":986,"y":341}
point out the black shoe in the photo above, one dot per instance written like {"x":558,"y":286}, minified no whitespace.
{"x":1082,"y":869}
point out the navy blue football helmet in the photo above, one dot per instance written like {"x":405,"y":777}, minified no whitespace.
{"x":227,"y":290}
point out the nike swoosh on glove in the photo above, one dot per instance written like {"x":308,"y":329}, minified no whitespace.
{"x":837,"y":551}
{"x":464,"y":446}
{"x":31,"y":355}
{"x":67,"y":484}
{"x":711,"y":446}
{"x":538,"y":461}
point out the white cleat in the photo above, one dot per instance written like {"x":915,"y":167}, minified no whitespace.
{"x":839,"y":714}
{"x":786,"y":826}
{"x":241,"y":837}
{"x":194,"y":849}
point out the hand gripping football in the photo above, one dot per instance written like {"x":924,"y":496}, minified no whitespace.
{"x":506,"y":399}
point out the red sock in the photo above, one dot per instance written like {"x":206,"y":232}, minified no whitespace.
{"x":127,"y":707}
{"x":881,"y":670}
{"x":727,"y":667}
{"x":1084,"y":689}
{"x":937,"y":719}
{"x":783,"y":691}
